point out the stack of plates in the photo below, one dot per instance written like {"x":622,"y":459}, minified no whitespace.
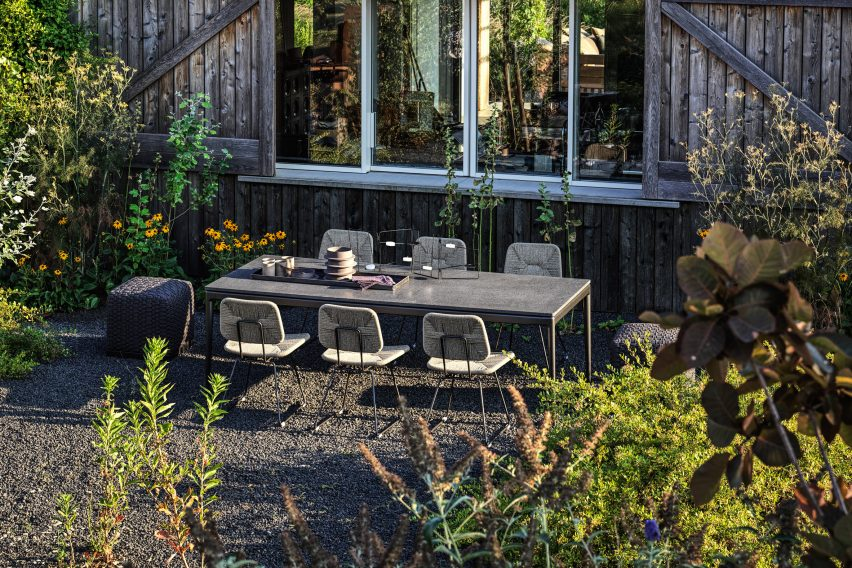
{"x":339,"y":263}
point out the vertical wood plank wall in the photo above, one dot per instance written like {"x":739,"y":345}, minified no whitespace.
{"x":809,"y":49}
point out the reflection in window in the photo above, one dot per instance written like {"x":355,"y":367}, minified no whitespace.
{"x":610,"y":89}
{"x":523,"y":75}
{"x":318,"y":54}
{"x":418,"y":81}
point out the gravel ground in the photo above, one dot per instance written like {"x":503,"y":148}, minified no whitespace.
{"x":46,"y":443}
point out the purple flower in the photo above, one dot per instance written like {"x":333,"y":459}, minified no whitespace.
{"x":652,"y":530}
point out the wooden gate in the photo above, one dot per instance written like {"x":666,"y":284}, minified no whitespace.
{"x":697,"y":53}
{"x":223,"y":48}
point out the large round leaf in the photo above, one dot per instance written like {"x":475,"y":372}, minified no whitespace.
{"x":748,"y":324}
{"x":706,"y":479}
{"x":696,"y":278}
{"x":723,"y":245}
{"x":769,"y":447}
{"x":739,"y":469}
{"x":668,"y":363}
{"x":760,"y":261}
{"x":700,"y":341}
{"x":796,"y":253}
{"x":721,"y":403}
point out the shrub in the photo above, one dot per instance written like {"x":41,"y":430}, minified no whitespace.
{"x":23,"y":344}
{"x":17,"y":226}
{"x":795,"y":186}
{"x":226,"y":249}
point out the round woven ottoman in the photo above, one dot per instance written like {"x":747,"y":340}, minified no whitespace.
{"x":635,"y":332}
{"x":145,"y":307}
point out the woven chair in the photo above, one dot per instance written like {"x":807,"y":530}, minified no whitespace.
{"x":439,"y":253}
{"x":457,"y":345}
{"x":352,"y":338}
{"x":361,"y":243}
{"x":254,"y":332}
{"x":533,"y":259}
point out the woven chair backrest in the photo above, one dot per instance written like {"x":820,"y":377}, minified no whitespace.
{"x":434,"y":252}
{"x":535,"y":259}
{"x":365,"y":320}
{"x":442,"y":335}
{"x":233,"y":311}
{"x":361,"y":243}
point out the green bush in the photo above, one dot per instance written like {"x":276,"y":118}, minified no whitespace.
{"x":23,"y":345}
{"x":655,"y":441}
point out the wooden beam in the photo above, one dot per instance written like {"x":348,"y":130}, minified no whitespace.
{"x":745,"y":67}
{"x":653,"y":80}
{"x":185,"y":48}
{"x":244,"y":152}
{"x":805,"y":3}
{"x":265,"y":61}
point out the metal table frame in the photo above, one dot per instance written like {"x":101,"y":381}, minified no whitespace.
{"x":239,"y":284}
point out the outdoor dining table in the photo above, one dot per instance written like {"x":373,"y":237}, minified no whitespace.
{"x":495,"y":297}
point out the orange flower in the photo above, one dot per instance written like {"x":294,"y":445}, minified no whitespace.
{"x":63,"y":221}
{"x":129,"y":246}
{"x":220,"y":246}
{"x":42,"y":267}
{"x":57,"y":273}
{"x":280,"y":235}
{"x":63,"y":255}
{"x":843,"y":277}
{"x":116,"y":224}
{"x":703,"y":233}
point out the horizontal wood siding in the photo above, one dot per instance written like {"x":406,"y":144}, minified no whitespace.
{"x":629,"y":253}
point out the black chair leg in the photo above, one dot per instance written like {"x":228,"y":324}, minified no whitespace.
{"x":380,"y":433}
{"x":277,"y":393}
{"x":499,"y":335}
{"x":446,"y":417}
{"x":323,"y":419}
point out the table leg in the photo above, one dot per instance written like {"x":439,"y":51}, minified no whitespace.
{"x":587,"y":308}
{"x":208,"y":337}
{"x":551,"y":344}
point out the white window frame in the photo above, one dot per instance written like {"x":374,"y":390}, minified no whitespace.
{"x":470,"y":23}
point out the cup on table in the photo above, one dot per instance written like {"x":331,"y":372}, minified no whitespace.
{"x":289,"y":262}
{"x":269,"y":266}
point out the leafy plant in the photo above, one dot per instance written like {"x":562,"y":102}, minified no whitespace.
{"x":611,"y":324}
{"x":448,"y":216}
{"x":24,"y":348}
{"x":741,"y":311}
{"x":17,"y":218}
{"x":482,"y":198}
{"x":65,"y":517}
{"x":792,"y":186}
{"x":225,"y":249}
{"x":133,"y":443}
{"x":546,"y":215}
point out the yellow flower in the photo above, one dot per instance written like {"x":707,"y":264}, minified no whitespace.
{"x":216,"y":235}
{"x":63,"y":221}
{"x":703,"y":233}
{"x":57,"y":273}
{"x":843,"y":277}
{"x":165,"y":229}
{"x":249,"y":245}
{"x":158,"y":217}
{"x":263,"y":242}
{"x":230,"y":225}
{"x":22,"y":260}
{"x":78,"y":260}
{"x":208,"y":231}
{"x":269,"y":237}
{"x":220,"y":246}
{"x":42,"y":267}
{"x":151,"y":232}
{"x":63,"y":255}
{"x":280,"y":235}
{"x":238,"y":245}
{"x":148,"y":223}
{"x":244,"y":237}
{"x":116,"y":224}
{"x":129,"y":246}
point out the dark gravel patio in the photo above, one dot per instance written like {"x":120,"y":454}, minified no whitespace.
{"x":46,"y":444}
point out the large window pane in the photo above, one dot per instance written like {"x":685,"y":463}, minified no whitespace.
{"x":523,"y":76}
{"x":610,"y":75}
{"x":318,"y":83}
{"x":418,"y":80}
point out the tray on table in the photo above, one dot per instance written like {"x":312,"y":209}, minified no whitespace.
{"x":317,"y":276}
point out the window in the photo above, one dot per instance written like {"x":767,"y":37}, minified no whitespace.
{"x":523,"y":77}
{"x":418,"y":80}
{"x":424,"y":68}
{"x":318,"y":83}
{"x":610,"y":89}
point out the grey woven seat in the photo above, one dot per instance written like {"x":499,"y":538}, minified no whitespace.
{"x":633,"y":333}
{"x":352,"y":338}
{"x":439,"y":253}
{"x":361,"y":243}
{"x":253,"y":330}
{"x":457,"y":345}
{"x":145,"y":307}
{"x":535,"y":259}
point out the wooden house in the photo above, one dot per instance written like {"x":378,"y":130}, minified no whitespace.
{"x":336,"y":110}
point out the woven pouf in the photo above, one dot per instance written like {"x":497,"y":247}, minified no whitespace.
{"x":145,"y":307}
{"x":635,"y":332}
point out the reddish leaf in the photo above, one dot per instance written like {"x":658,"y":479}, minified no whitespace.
{"x":666,"y":321}
{"x":760,"y":261}
{"x":701,"y":341}
{"x":748,"y":324}
{"x":696,"y":278}
{"x":668,"y":363}
{"x":769,"y":447}
{"x":739,"y":469}
{"x":723,"y":245}
{"x":796,"y":253}
{"x":797,"y":307}
{"x":718,"y":369}
{"x":706,"y":479}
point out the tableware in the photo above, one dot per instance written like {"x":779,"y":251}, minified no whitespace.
{"x":269,"y":266}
